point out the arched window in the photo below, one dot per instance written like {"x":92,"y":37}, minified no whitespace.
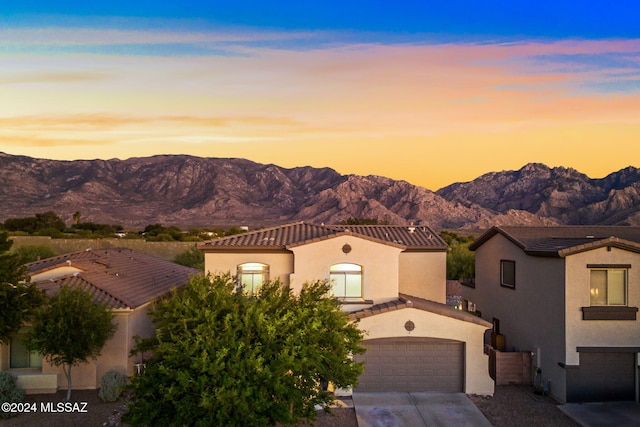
{"x":346,"y":280}
{"x":251,"y":275}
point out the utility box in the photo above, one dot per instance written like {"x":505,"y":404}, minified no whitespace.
{"x":498,"y":341}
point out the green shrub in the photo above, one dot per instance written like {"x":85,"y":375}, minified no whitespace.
{"x":9,"y":392}
{"x":112,"y":385}
{"x":192,"y":257}
{"x":228,"y":358}
{"x":30,"y":253}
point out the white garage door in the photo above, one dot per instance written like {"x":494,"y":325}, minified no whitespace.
{"x":412,"y":364}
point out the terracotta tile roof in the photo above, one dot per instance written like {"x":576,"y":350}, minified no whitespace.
{"x":409,"y":301}
{"x":421,"y":237}
{"x":300,"y":233}
{"x":557,"y":241}
{"x":118,"y":277}
{"x":397,"y":304}
{"x":51,"y":287}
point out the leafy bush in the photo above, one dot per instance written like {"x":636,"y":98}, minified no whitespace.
{"x":112,"y":385}
{"x":30,"y":253}
{"x":192,"y":257}
{"x":228,"y":358}
{"x":9,"y":391}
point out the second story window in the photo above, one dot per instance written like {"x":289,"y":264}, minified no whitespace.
{"x":508,"y":273}
{"x":251,"y":275}
{"x":608,"y":287}
{"x":346,"y":280}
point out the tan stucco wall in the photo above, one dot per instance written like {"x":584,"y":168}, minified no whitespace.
{"x":280,"y":263}
{"x":599,"y":333}
{"x":427,"y":324}
{"x":114,"y":355}
{"x":380,"y":266}
{"x":387,"y":270}
{"x":424,"y":275}
{"x":139,"y":324}
{"x":531,"y":315}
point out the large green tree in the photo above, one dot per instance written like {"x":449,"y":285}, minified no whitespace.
{"x":227,"y":358}
{"x":461,"y":262}
{"x":70,"y":329}
{"x":18,"y":297}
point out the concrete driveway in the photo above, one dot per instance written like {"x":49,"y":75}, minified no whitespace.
{"x":619,"y":414}
{"x":396,"y":409}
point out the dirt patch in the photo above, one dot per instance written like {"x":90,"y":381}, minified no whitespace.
{"x":89,"y":411}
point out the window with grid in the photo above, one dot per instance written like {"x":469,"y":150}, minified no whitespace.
{"x":252,"y":275}
{"x":346,"y":280}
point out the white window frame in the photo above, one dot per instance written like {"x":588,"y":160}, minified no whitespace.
{"x":251,"y":275}
{"x":345,"y":271}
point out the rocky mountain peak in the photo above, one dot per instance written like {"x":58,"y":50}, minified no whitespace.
{"x":205,"y":192}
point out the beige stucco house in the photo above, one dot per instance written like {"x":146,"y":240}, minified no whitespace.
{"x":125,"y":280}
{"x":391,"y":278}
{"x":570,"y":296}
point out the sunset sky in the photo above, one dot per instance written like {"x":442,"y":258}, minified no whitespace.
{"x":412,"y":90}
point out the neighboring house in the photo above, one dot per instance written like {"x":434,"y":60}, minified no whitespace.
{"x":392,"y":278}
{"x":570,"y":296}
{"x":126,"y":281}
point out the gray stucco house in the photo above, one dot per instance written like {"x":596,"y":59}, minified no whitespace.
{"x":570,"y":296}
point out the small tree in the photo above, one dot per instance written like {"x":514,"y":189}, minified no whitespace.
{"x":71,"y":328}
{"x":232,"y":359}
{"x":18,"y":298}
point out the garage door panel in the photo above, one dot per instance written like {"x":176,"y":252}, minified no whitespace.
{"x":412,"y":364}
{"x":602,"y":376}
{"x":611,"y":374}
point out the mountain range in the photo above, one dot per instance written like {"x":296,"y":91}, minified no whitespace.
{"x":192,"y":191}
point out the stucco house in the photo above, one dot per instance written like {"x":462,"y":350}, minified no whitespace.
{"x":391,"y":278}
{"x":125,"y":280}
{"x":570,"y":296}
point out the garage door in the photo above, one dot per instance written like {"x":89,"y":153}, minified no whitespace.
{"x":412,"y":364}
{"x":607,"y":376}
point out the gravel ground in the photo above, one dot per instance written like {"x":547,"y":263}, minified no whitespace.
{"x":511,"y":406}
{"x":99,"y":413}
